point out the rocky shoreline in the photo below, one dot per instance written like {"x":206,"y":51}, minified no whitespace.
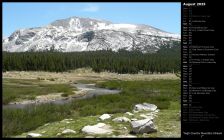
{"x":82,"y":92}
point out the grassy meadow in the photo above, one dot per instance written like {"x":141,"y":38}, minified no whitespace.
{"x":163,"y":93}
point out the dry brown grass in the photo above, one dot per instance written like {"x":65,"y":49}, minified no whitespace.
{"x":83,"y":74}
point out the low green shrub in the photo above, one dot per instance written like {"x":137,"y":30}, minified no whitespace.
{"x":64,"y":95}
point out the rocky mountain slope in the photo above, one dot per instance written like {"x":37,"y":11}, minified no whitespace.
{"x":85,"y":34}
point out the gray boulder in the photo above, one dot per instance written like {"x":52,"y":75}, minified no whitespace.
{"x":142,"y":126}
{"x":145,"y":107}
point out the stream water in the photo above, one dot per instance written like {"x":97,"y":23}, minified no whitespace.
{"x":90,"y":89}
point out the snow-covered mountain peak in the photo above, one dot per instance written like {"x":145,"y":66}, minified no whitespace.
{"x":85,"y":34}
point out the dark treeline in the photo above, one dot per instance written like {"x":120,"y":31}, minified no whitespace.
{"x":165,"y":60}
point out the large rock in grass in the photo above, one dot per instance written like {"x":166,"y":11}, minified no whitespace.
{"x":142,"y":126}
{"x":100,"y":128}
{"x":145,"y":107}
{"x":33,"y":135}
{"x":121,"y":119}
{"x":104,"y":117}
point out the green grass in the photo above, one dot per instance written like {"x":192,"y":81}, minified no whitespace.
{"x":159,"y":92}
{"x":16,"y":121}
{"x":166,"y":122}
{"x":163,"y":93}
{"x":15,"y":89}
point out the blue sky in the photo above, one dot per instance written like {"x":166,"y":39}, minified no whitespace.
{"x":165,"y":16}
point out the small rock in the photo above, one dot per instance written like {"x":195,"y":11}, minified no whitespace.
{"x":146,"y":116}
{"x":43,"y":132}
{"x":58,"y":134}
{"x":143,"y":126}
{"x":125,"y":128}
{"x":62,"y":128}
{"x":65,"y":121}
{"x":134,"y":119}
{"x":68,"y":119}
{"x":129,"y":113}
{"x":105,"y":116}
{"x":121,"y":119}
{"x":33,"y":135}
{"x":68,"y":131}
{"x":135,"y":111}
{"x":89,"y":136}
{"x":100,"y":128}
{"x":124,"y":136}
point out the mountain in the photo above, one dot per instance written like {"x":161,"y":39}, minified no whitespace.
{"x":85,"y":34}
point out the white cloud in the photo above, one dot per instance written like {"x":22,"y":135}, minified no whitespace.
{"x":91,"y":8}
